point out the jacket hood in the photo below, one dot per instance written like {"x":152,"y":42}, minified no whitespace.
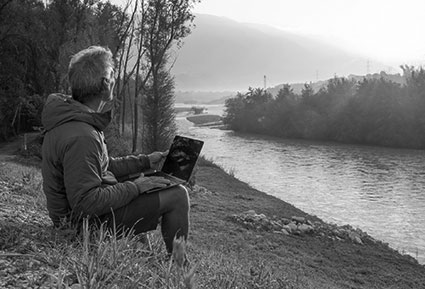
{"x":60,"y":108}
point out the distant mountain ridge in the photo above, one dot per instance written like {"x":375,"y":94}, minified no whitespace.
{"x":197,"y":97}
{"x":222,"y":54}
{"x":297,"y":87}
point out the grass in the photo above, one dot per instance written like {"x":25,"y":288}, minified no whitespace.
{"x":38,"y":255}
{"x":223,"y":254}
{"x":208,"y":162}
{"x":34,"y":254}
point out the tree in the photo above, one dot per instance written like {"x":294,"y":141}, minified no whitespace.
{"x":235,"y":109}
{"x":162,"y":24}
{"x":285,"y":92}
{"x":159,"y":116}
{"x":248,"y":112}
{"x":123,"y":55}
{"x":307,"y":91}
{"x":372,"y":111}
{"x":36,"y":44}
{"x":21,"y":60}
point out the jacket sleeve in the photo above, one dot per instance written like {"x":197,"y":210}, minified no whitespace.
{"x":124,"y":166}
{"x":86,"y":193}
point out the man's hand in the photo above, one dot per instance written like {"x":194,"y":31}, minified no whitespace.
{"x":156,"y":159}
{"x":144,"y":184}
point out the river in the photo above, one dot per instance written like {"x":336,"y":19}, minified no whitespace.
{"x":379,"y":190}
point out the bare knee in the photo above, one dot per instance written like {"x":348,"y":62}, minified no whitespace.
{"x":181,"y":197}
{"x":176,"y":198}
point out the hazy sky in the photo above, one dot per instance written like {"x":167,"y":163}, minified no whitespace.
{"x":391,"y":31}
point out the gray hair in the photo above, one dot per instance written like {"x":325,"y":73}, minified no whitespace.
{"x":86,"y":71}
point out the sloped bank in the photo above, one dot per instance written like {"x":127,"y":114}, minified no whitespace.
{"x":255,"y":228}
{"x":236,"y":241}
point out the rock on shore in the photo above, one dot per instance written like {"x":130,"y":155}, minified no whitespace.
{"x":300,"y":226}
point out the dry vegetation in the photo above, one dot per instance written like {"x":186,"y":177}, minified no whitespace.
{"x":35,"y":255}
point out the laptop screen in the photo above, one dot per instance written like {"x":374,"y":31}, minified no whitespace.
{"x":182,"y":157}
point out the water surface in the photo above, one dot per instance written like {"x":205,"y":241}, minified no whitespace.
{"x":379,"y":190}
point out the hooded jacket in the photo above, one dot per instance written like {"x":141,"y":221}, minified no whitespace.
{"x":79,"y":179}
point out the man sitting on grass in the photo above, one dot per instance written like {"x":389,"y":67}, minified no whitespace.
{"x":80,"y":180}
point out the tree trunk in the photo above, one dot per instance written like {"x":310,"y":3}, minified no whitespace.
{"x":135,"y":123}
{"x":123,"y":105}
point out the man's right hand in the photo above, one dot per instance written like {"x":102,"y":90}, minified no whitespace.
{"x":145,"y":184}
{"x":156,"y":159}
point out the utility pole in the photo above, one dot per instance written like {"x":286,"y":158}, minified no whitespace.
{"x":265,"y":82}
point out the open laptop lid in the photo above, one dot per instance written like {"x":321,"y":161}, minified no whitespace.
{"x":182,"y":157}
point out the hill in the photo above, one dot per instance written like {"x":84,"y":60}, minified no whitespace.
{"x":199,"y":97}
{"x":297,"y":87}
{"x":222,"y":54}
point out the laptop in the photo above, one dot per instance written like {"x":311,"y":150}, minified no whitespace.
{"x":179,"y":163}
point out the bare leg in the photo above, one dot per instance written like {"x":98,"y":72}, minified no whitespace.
{"x":174,"y":209}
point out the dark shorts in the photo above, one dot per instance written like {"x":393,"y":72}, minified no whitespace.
{"x":141,"y":215}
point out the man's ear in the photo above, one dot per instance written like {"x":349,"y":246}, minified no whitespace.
{"x":106,"y":89}
{"x":105,"y":84}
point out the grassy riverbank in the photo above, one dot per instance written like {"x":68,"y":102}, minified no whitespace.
{"x":225,"y":249}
